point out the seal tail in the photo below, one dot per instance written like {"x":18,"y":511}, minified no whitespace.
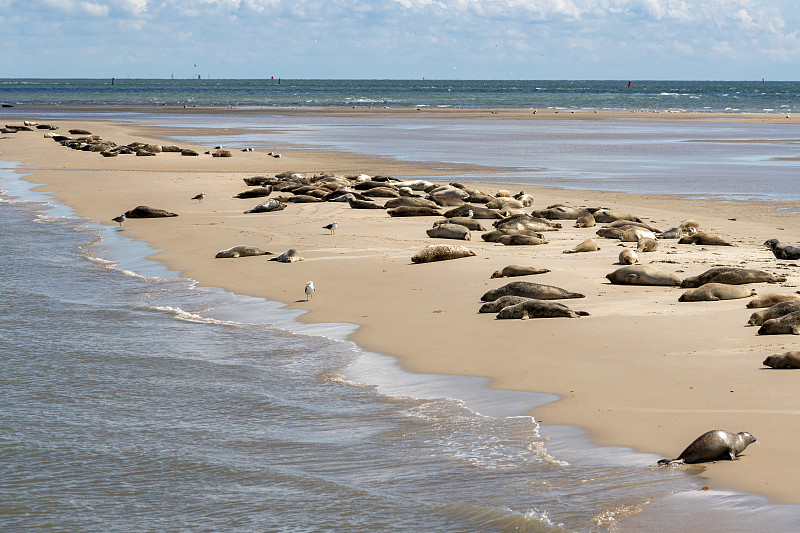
{"x":664,"y":462}
{"x":582,"y":313}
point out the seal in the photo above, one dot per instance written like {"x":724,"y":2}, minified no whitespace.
{"x":289,"y":256}
{"x":783,"y":360}
{"x":529,"y":289}
{"x":241,"y":251}
{"x":771,"y":299}
{"x":560,"y":212}
{"x":504,"y":301}
{"x":643,"y":275}
{"x":712,"y":446}
{"x":689,"y":226}
{"x":518,"y":270}
{"x":143,"y":211}
{"x":477,"y":212}
{"x":494,"y":236}
{"x":265,"y":207}
{"x":628,"y":257}
{"x":410,"y":201}
{"x":441,"y":252}
{"x":585,"y":220}
{"x":605,"y":216}
{"x":635,"y":234}
{"x":776,"y":311}
{"x":408,"y":211}
{"x":714,"y":292}
{"x":731,"y":276}
{"x":526,"y":222}
{"x":782,"y":250}
{"x":469,"y":223}
{"x":704,"y":239}
{"x":646,"y":244}
{"x":610,"y":233}
{"x":671,"y":233}
{"x":256,"y":192}
{"x":632,"y":224}
{"x":786,"y":324}
{"x":449,"y":231}
{"x":355,"y":203}
{"x":516,"y":239}
{"x":589,"y":245}
{"x":539,"y":309}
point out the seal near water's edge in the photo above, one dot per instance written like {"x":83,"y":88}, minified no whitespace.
{"x":713,"y":445}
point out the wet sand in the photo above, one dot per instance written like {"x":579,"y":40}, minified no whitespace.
{"x":643,"y":370}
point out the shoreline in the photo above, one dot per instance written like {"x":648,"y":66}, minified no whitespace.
{"x":440,"y":305}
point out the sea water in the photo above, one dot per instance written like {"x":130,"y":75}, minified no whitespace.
{"x":135,"y":400}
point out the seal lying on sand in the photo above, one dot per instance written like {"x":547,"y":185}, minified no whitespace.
{"x":265,"y":207}
{"x":585,"y":220}
{"x":771,"y":299}
{"x":530,"y":290}
{"x":518,"y":270}
{"x":241,"y":251}
{"x":786,"y":324}
{"x":782,"y":250}
{"x":526,"y":222}
{"x":783,"y":360}
{"x":408,"y":211}
{"x":731,"y":276}
{"x":448,"y":231}
{"x":441,"y":252}
{"x":628,"y":257}
{"x":144,"y":211}
{"x":712,"y":446}
{"x":776,"y":311}
{"x":496,"y":235}
{"x":646,"y":244}
{"x":705,"y":239}
{"x":515,"y":239}
{"x":589,"y":245}
{"x":469,"y":223}
{"x":289,"y":256}
{"x":539,"y":309}
{"x":643,"y":275}
{"x":714,"y":292}
{"x":502,"y":302}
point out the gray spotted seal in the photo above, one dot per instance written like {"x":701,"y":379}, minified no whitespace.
{"x":704,"y":239}
{"x":266,"y":207}
{"x":786,"y":324}
{"x":605,"y":216}
{"x":636,"y":233}
{"x":628,"y":257}
{"x":538,"y":309}
{"x":671,"y":233}
{"x":504,"y":301}
{"x":589,"y":245}
{"x":712,"y":446}
{"x":494,"y":236}
{"x":477,"y":212}
{"x":714,"y":292}
{"x":441,"y":252}
{"x":526,"y":222}
{"x":783,"y":360}
{"x":731,"y":276}
{"x":240,"y":251}
{"x":776,"y":311}
{"x":516,"y":239}
{"x":518,"y":270}
{"x":449,"y":231}
{"x":769,"y":300}
{"x":469,"y":223}
{"x":289,"y":256}
{"x":643,"y":275}
{"x":782,"y":250}
{"x":256,"y":192}
{"x":529,"y":289}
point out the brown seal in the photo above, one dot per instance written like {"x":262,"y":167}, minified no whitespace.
{"x":143,"y":211}
{"x":714,"y":292}
{"x":782,"y":250}
{"x":241,"y":251}
{"x":585,"y":220}
{"x":589,"y":245}
{"x":768,"y":300}
{"x":704,"y":239}
{"x":518,"y":270}
{"x":786,"y":324}
{"x":526,"y":222}
{"x":538,"y":309}
{"x":776,"y":311}
{"x":504,"y":301}
{"x":515,"y":239}
{"x":530,"y":290}
{"x":441,"y":252}
{"x":449,"y":231}
{"x":783,"y":360}
{"x":646,"y":244}
{"x":712,"y":446}
{"x":289,"y":256}
{"x":731,"y":276}
{"x":628,"y":257}
{"x":407,"y":211}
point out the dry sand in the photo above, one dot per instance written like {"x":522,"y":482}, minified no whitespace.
{"x":643,"y":370}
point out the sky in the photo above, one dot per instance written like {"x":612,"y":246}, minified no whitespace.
{"x":402,"y":39}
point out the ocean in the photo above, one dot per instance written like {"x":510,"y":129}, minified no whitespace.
{"x":135,"y":400}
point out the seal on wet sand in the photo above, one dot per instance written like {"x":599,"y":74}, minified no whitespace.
{"x":643,"y":275}
{"x":144,"y":211}
{"x":731,"y":276}
{"x":776,"y":311}
{"x":241,"y":251}
{"x":530,"y":290}
{"x":783,"y":360}
{"x":712,"y":446}
{"x":714,"y":292}
{"x":518,"y":270}
{"x":539,"y":309}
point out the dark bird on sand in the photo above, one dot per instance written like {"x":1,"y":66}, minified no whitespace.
{"x":199,"y":197}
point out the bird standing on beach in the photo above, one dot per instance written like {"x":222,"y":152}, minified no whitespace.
{"x":309,"y":290}
{"x":199,"y":197}
{"x":332,"y":227}
{"x":120,"y":219}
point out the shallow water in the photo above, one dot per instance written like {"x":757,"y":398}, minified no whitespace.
{"x":134,"y":400}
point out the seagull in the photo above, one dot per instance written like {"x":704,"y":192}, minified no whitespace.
{"x":119,"y":219}
{"x":199,"y":197}
{"x":469,"y":214}
{"x":309,"y":290}
{"x":332,"y":227}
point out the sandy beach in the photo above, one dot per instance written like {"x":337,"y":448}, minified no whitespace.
{"x":643,"y":370}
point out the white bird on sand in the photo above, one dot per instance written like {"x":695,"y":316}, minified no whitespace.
{"x":469,"y":214}
{"x":309,"y":290}
{"x":199,"y":197}
{"x":332,"y":227}
{"x":119,"y":219}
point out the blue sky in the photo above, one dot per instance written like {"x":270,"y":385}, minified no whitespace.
{"x":452,"y":39}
